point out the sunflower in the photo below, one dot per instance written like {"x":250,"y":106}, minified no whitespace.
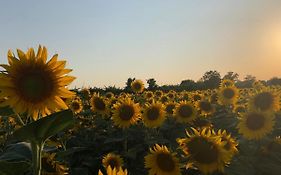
{"x":205,"y":107}
{"x":158,"y":93}
{"x":184,"y":95}
{"x":226,"y":83}
{"x":34,"y":85}
{"x":231,"y":144}
{"x":76,"y":105}
{"x":51,"y":166}
{"x":196,"y":96}
{"x":184,"y":112}
{"x":99,"y":104}
{"x":125,"y":113}
{"x":255,"y":124}
{"x":164,"y":99}
{"x":204,"y":150}
{"x":109,"y":95}
{"x":112,"y":160}
{"x":137,"y":86}
{"x":265,"y":101}
{"x":171,"y":94}
{"x":148,"y":94}
{"x":110,"y":171}
{"x":154,"y":115}
{"x":169,"y":107}
{"x":161,"y":161}
{"x":85,"y":93}
{"x":228,"y":95}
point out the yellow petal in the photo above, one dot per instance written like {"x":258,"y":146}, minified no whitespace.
{"x":66,"y":80}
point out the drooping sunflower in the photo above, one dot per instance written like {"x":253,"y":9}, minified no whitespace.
{"x":161,"y":161}
{"x":255,"y":124}
{"x":137,"y":86}
{"x":205,"y":107}
{"x":204,"y":150}
{"x":265,"y":100}
{"x":112,"y":160}
{"x":99,"y":104}
{"x":34,"y":85}
{"x":154,"y":115}
{"x":125,"y":113}
{"x":228,"y":95}
{"x":110,"y":171}
{"x":184,"y":112}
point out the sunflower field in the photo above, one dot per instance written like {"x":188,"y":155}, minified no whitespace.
{"x":49,"y":129}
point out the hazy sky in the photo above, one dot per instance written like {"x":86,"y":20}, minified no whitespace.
{"x":107,"y":41}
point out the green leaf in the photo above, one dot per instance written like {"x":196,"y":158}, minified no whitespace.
{"x":6,"y":111}
{"x":42,"y":129}
{"x":13,"y":168}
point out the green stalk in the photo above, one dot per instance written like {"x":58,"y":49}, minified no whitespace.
{"x":36,"y":157}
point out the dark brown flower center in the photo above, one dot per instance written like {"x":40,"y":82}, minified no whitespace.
{"x":228,"y":93}
{"x":126,"y":112}
{"x":255,"y":121}
{"x":185,"y":111}
{"x":153,"y":113}
{"x":264,"y":101}
{"x":99,"y":104}
{"x":205,"y":106}
{"x":75,"y":105}
{"x":34,"y":84}
{"x":196,"y":97}
{"x":202,"y":150}
{"x":137,"y":86}
{"x":165,"y":162}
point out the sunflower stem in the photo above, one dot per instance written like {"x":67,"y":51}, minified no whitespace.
{"x":19,"y":119}
{"x":36,"y":157}
{"x":125,"y":141}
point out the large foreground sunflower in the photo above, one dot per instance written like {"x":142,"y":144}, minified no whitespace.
{"x":125,"y":113}
{"x":33,"y":84}
{"x":255,"y":124}
{"x":161,"y":161}
{"x":205,"y":151}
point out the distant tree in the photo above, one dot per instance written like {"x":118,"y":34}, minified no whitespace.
{"x":211,"y":79}
{"x":247,"y":82}
{"x":151,"y":84}
{"x":128,"y":85}
{"x":231,"y":76}
{"x":188,"y":85}
{"x":274,"y":81}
